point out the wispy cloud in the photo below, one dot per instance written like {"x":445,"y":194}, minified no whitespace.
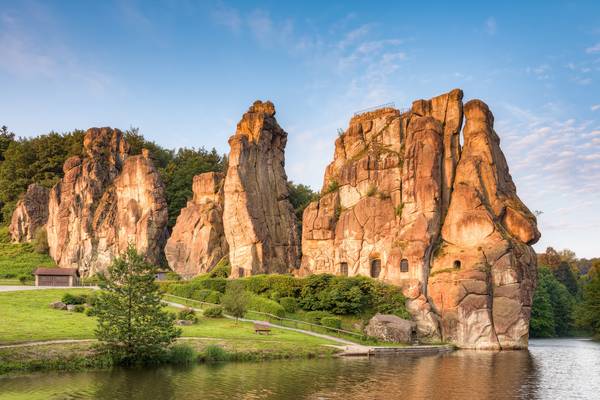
{"x":593,"y":49}
{"x":595,"y":107}
{"x":26,"y":55}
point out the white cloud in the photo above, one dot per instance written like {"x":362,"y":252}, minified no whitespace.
{"x":594,"y":49}
{"x":595,"y":107}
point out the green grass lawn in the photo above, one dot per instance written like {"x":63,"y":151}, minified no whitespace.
{"x":26,"y":316}
{"x":19,"y":258}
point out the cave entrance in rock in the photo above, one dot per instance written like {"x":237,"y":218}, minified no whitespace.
{"x":375,"y":267}
{"x":404,"y":265}
{"x":241,"y":272}
{"x":456,"y":264}
{"x":344,"y":269}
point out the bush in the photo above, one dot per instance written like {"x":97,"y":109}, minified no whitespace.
{"x":213,"y":312}
{"x":315,"y":317}
{"x":221,"y":270}
{"x":69,"y":298}
{"x":90,"y":312}
{"x":289,"y":304}
{"x":206,"y":282}
{"x":187,"y":314}
{"x":331,"y":322}
{"x":213,"y":352}
{"x":40,"y":242}
{"x":273,"y":285}
{"x":25,"y":279}
{"x":340,"y":295}
{"x":207,"y":295}
{"x":388,"y":299}
{"x":182,"y":354}
{"x":172,"y":276}
{"x":262,"y":304}
{"x":181,"y":290}
{"x":79,"y":308}
{"x":90,"y":298}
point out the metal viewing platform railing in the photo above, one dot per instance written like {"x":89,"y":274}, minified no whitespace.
{"x":365,"y":110}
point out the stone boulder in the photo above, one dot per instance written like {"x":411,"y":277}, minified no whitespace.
{"x":391,"y":328}
{"x":58,"y":305}
{"x":106,"y":200}
{"x":258,"y":218}
{"x":30,"y":214}
{"x":197,"y":242}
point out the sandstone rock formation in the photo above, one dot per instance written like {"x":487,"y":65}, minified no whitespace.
{"x":259,"y":221}
{"x":197,"y":242}
{"x":404,"y":203}
{"x":105,"y":201}
{"x":391,"y":328}
{"x":30,"y":214}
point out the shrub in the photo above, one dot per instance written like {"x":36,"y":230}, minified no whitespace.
{"x":79,"y":308}
{"x":371,"y":191}
{"x":313,"y":286}
{"x":262,"y":304}
{"x":315,"y":317}
{"x":388,"y":299}
{"x":213,"y":312}
{"x":340,"y":295}
{"x":90,"y":312}
{"x":207,"y":295}
{"x":90,"y":298}
{"x":69,"y":298}
{"x":172,"y":276}
{"x":40,"y":242}
{"x":181,"y":290}
{"x":331,"y":322}
{"x":221,"y":270}
{"x":217,"y":284}
{"x":187,"y":314}
{"x":25,"y":279}
{"x":332,"y":187}
{"x":213,"y":352}
{"x":289,"y":304}
{"x":182,"y":354}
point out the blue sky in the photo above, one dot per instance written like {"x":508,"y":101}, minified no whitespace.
{"x":185,"y":71}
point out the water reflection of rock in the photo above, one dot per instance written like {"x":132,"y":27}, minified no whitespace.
{"x":461,"y":375}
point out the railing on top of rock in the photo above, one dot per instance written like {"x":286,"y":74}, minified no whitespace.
{"x":366,"y":110}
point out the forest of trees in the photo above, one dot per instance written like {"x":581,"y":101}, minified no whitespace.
{"x":40,"y":159}
{"x":567,"y":298}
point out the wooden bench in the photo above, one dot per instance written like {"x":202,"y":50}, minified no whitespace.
{"x":261,"y":329}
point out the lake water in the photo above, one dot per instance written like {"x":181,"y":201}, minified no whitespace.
{"x":550,"y":369}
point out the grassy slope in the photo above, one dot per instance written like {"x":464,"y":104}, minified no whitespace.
{"x":19,"y":258}
{"x":26,"y":316}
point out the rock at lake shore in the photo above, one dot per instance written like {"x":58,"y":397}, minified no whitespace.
{"x":391,"y":328}
{"x":259,"y":221}
{"x":30,"y":214}
{"x":404,"y":203}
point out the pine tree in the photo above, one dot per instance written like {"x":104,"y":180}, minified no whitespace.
{"x":132,"y":325}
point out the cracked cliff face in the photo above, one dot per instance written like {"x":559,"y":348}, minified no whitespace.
{"x":405,"y":204}
{"x":197,"y":242}
{"x":258,"y":218}
{"x":30,"y":215}
{"x":105,"y":201}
